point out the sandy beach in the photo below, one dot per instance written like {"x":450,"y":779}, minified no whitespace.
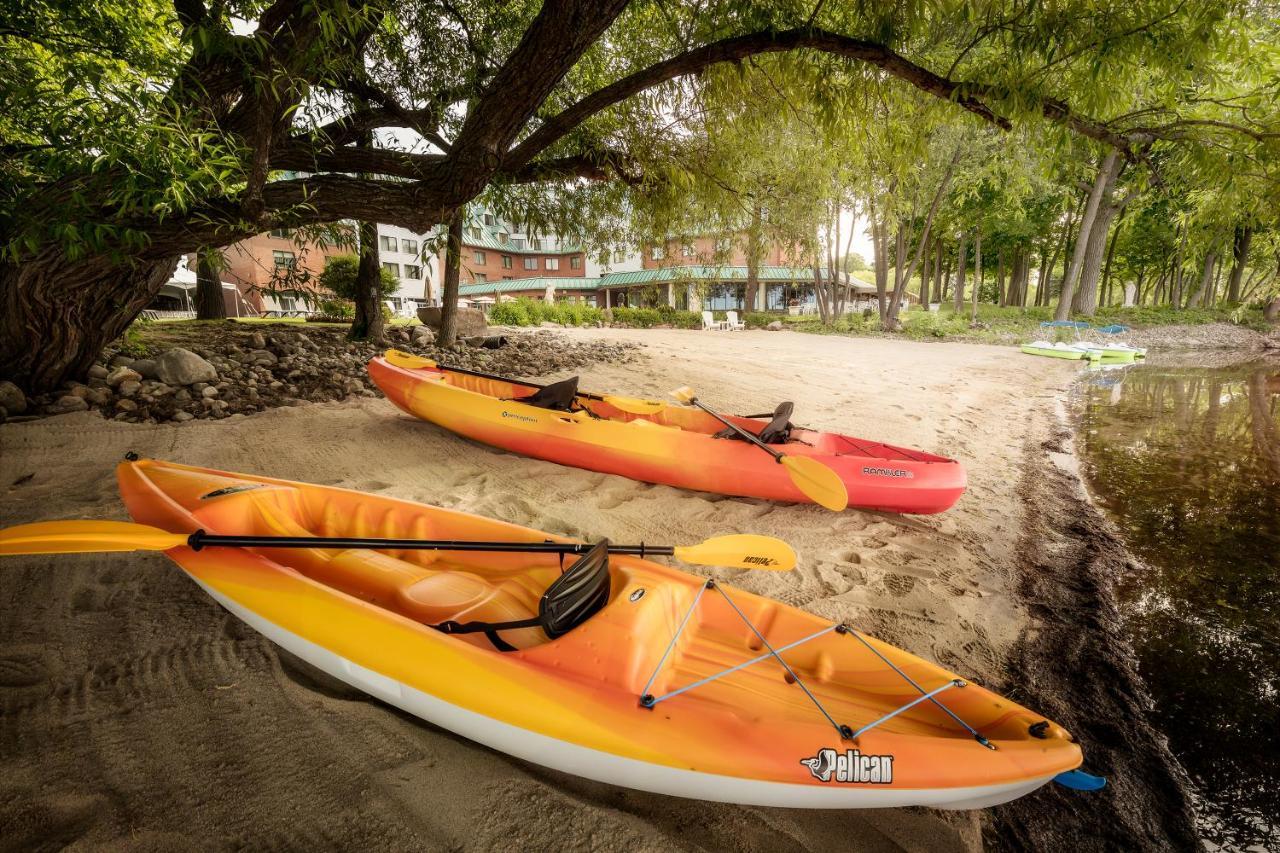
{"x":136,"y":713}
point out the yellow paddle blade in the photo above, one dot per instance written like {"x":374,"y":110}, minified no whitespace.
{"x":740,"y":551}
{"x":822,"y":485}
{"x":407,"y":359}
{"x":634,"y":405}
{"x":684,"y":394}
{"x":80,"y":537}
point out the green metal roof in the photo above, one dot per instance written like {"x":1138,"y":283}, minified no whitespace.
{"x":662,"y":275}
{"x":800,"y":275}
{"x":510,"y":285}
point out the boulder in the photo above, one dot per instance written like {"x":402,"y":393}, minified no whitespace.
{"x":423,"y":336}
{"x":126,"y":406}
{"x":775,"y":326}
{"x":146,"y":367}
{"x":12,"y":398}
{"x":471,"y":321}
{"x":257,"y":341}
{"x":129,"y":388}
{"x":69,"y":403}
{"x":181,"y":416}
{"x":97,"y":371}
{"x":180,"y":366}
{"x":121,"y":360}
{"x":122,"y":373}
{"x":209,"y":393}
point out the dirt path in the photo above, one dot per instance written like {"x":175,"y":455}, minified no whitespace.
{"x":133,"y":709}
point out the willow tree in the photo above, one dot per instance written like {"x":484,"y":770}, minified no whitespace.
{"x":135,"y":132}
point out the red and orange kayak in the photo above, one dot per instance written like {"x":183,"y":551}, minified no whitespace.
{"x":673,"y":684}
{"x":675,"y":446}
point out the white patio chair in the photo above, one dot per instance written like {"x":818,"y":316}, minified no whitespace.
{"x":732,"y":323}
{"x":709,"y":322}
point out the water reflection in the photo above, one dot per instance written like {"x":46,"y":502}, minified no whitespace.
{"x":1188,"y":461}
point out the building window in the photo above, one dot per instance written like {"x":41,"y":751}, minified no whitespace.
{"x":409,"y":246}
{"x":553,"y":263}
{"x":531,"y":263}
{"x":518,"y":242}
{"x":282,"y":232}
{"x":389,"y":244}
{"x":473,"y":232}
{"x":506,"y":278}
{"x":619,"y":256}
{"x":502,"y":236}
{"x":488,"y":219}
{"x":284,"y":260}
{"x":535,"y":243}
{"x":481,"y":277}
{"x":506,"y":262}
{"x":657,"y":253}
{"x":576,"y":262}
{"x":412,"y":271}
{"x":395,"y":269}
{"x":479,"y":257}
{"x":723,"y":244}
{"x":686,"y":250}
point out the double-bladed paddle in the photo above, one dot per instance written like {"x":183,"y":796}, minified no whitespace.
{"x":631,"y":405}
{"x":736,"y":550}
{"x":819,"y":483}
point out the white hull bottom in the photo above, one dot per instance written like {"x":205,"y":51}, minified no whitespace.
{"x":615,"y":769}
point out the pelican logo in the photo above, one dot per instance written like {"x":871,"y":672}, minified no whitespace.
{"x":524,"y":418}
{"x":888,"y":472}
{"x":850,"y":766}
{"x":759,"y":561}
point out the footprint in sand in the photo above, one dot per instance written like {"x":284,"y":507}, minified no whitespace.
{"x":373,"y":486}
{"x":899,"y":585}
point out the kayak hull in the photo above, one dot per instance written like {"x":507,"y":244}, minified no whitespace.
{"x":572,"y":703}
{"x":1052,"y":352}
{"x":675,"y":447}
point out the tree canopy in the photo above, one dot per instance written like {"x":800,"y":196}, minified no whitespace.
{"x":135,"y":132}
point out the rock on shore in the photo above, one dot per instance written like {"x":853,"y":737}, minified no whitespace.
{"x":238,"y":369}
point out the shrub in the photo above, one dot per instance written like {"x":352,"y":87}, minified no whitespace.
{"x":510,"y":313}
{"x":757,"y":320}
{"x":636,"y":318}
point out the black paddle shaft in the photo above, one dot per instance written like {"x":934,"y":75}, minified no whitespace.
{"x":200,"y":539}
{"x":498,"y":378}
{"x":740,"y":431}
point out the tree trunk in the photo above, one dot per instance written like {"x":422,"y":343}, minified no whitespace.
{"x":937,"y":273}
{"x":449,"y":295}
{"x":962,"y":261}
{"x":977,"y":275}
{"x":57,"y":315}
{"x":209,"y":302}
{"x":1105,"y":176}
{"x":1085,"y":300}
{"x":368,"y":324}
{"x":1000,"y":291}
{"x":1111,"y":252}
{"x":926,"y":269}
{"x":753,"y":259}
{"x":879,"y":249}
{"x":1239,"y":257}
{"x":1205,"y":289}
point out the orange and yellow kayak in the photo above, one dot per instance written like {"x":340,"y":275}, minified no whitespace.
{"x":676,"y":446}
{"x":674,"y":685}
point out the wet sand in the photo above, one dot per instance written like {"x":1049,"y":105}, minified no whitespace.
{"x":135,"y":712}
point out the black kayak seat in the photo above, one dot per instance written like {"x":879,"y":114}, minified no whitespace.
{"x":572,"y":599}
{"x":777,"y":431}
{"x":558,"y":396}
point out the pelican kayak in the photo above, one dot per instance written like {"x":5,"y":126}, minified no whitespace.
{"x":677,"y":446}
{"x":671,"y":683}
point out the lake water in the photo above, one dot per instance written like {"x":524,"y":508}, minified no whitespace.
{"x":1187,"y":462}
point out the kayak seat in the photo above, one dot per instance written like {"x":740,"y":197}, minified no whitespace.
{"x":574,"y":597}
{"x":558,"y":396}
{"x":778,"y":430}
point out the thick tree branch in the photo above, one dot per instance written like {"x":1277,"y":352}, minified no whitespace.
{"x":969,"y":96}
